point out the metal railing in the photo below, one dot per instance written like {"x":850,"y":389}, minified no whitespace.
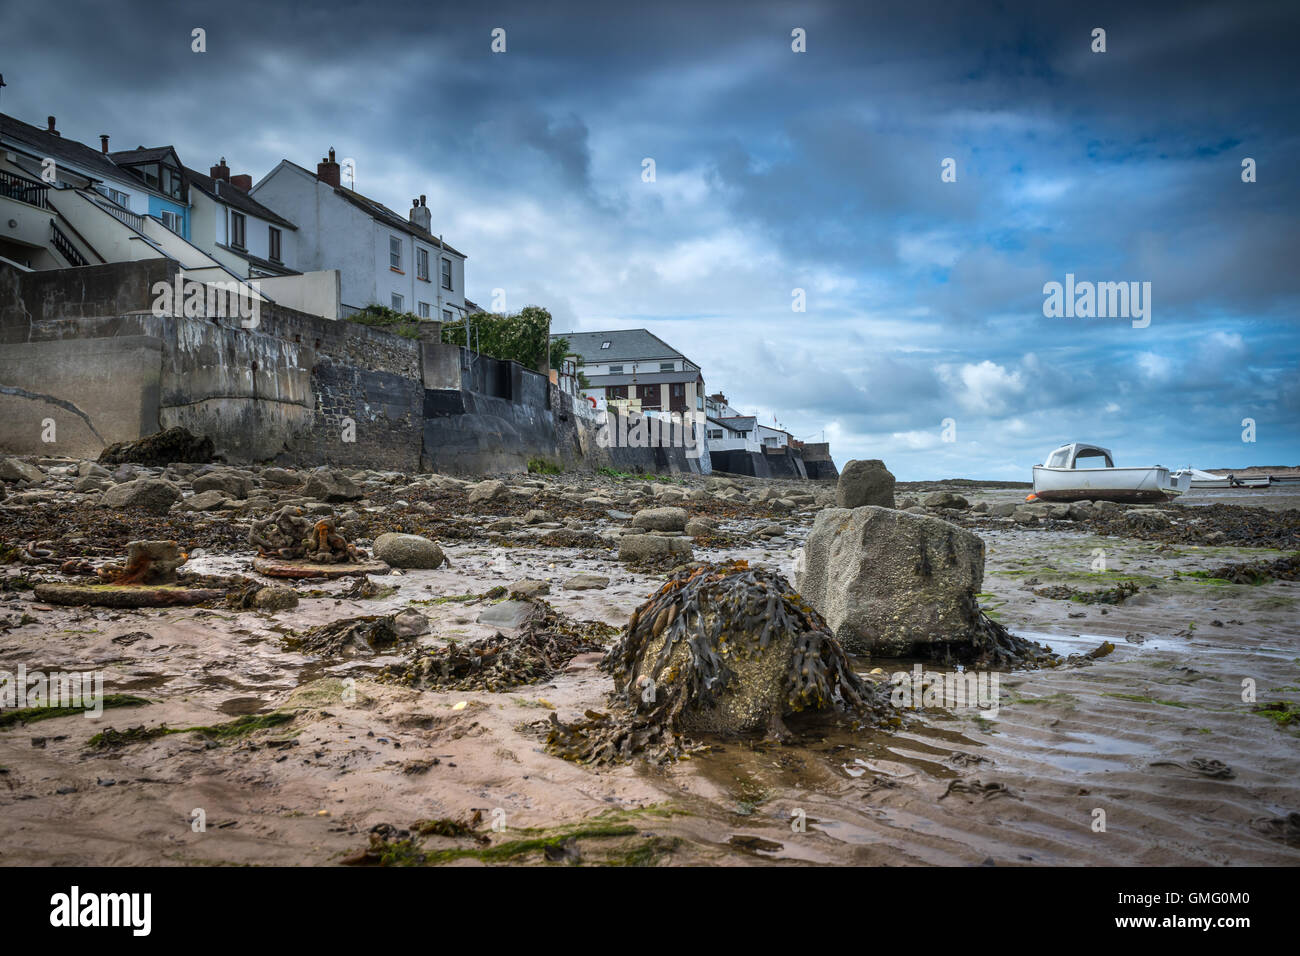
{"x":125,"y":216}
{"x":65,"y":247}
{"x":24,"y":190}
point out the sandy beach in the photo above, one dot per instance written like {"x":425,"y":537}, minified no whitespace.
{"x":1153,"y":739}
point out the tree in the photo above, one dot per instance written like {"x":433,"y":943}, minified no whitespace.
{"x":524,"y":337}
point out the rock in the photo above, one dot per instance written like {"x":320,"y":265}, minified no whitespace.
{"x":408,"y":551}
{"x":91,"y":484}
{"x":1146,"y":519}
{"x":326,"y":484}
{"x":88,"y":469}
{"x":147,"y":562}
{"x":1021,"y":516}
{"x":161,"y":448}
{"x":15,"y":469}
{"x":529,"y":588}
{"x":536,"y":516}
{"x":488,"y":491}
{"x":641,"y":547}
{"x":275,"y":598}
{"x":718,"y":651}
{"x":1003,"y":509}
{"x":946,"y":499}
{"x":586,"y":582}
{"x":230,"y":483}
{"x":507,"y":614}
{"x":865,"y":482}
{"x":980,"y":507}
{"x":410,"y":623}
{"x":660,"y":519}
{"x":153,"y":495}
{"x":888,"y":582}
{"x":204,"y":501}
{"x":281,"y":478}
{"x":697,"y":527}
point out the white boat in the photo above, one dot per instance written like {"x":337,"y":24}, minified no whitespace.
{"x":1075,"y":472}
{"x":1206,"y":479}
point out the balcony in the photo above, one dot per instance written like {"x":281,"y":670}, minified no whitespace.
{"x":24,"y":190}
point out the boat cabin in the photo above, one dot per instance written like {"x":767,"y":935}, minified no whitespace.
{"x":1079,"y":455}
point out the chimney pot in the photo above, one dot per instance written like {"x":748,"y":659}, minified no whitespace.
{"x":327,"y":171}
{"x":51,"y":128}
{"x":220,"y":172}
{"x":103,"y":143}
{"x":421,"y":199}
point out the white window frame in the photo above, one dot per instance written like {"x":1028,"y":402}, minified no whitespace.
{"x":398,"y":302}
{"x":394,"y":252}
{"x":424,"y":310}
{"x":421,"y":263}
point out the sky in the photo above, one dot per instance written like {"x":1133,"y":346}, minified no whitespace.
{"x":923,"y":339}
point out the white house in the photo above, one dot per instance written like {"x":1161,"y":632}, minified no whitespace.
{"x":236,"y":229}
{"x":381,"y":257}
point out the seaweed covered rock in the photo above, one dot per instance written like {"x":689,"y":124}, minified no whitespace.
{"x":287,"y":535}
{"x":723,"y":649}
{"x":161,"y":448}
{"x":147,"y":562}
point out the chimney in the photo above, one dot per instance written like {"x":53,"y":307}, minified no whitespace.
{"x":420,"y":215}
{"x":243,"y":182}
{"x":220,"y":171}
{"x":103,"y":143}
{"x":52,"y":131}
{"x":327,"y":170}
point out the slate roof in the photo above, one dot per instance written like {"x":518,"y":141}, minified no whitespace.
{"x":44,"y":143}
{"x":228,"y":195}
{"x":381,"y":212}
{"x":645,"y":378}
{"x":625,"y":345}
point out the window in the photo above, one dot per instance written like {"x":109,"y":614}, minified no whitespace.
{"x":616,"y":391}
{"x":424,"y":310}
{"x":666,"y":367}
{"x":446,"y":273}
{"x":237,"y":225}
{"x":172,"y":220}
{"x":274,"y":243}
{"x":171,"y":182}
{"x":1059,"y":459}
{"x":149,"y":174}
{"x":422,"y":264}
{"x":395,"y":253}
{"x":398,"y":302}
{"x":604,"y":345}
{"x":715,"y":432}
{"x":121,"y":198}
{"x":616,"y":370}
{"x":446,"y":315}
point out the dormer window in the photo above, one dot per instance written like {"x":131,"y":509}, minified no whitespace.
{"x":604,"y":345}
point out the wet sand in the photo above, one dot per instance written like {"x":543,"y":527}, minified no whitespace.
{"x":1134,"y":735}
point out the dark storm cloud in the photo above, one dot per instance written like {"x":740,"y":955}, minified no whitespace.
{"x":776,"y":171}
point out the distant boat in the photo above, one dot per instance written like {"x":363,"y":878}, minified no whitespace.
{"x":1204,"y":479}
{"x":1070,"y":475}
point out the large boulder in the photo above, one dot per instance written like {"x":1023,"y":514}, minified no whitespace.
{"x":890,"y":582}
{"x":651,"y":547}
{"x":866,"y":482}
{"x":153,"y":495}
{"x":660,"y":519}
{"x":486,"y":492}
{"x":408,"y":551}
{"x":326,"y":484}
{"x":232,"y":484}
{"x":161,"y":448}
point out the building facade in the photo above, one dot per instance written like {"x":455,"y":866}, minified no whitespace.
{"x":382,"y":258}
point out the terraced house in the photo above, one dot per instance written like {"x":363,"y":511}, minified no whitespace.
{"x":637,"y":369}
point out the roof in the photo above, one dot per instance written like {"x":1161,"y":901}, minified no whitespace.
{"x":740,"y":423}
{"x":627,"y":345}
{"x":378,"y":210}
{"x":234,"y":197}
{"x":645,"y":378}
{"x":266,"y":265}
{"x":60,"y":148}
{"x":142,"y":154}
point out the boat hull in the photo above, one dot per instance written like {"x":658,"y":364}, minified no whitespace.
{"x":1130,"y":485}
